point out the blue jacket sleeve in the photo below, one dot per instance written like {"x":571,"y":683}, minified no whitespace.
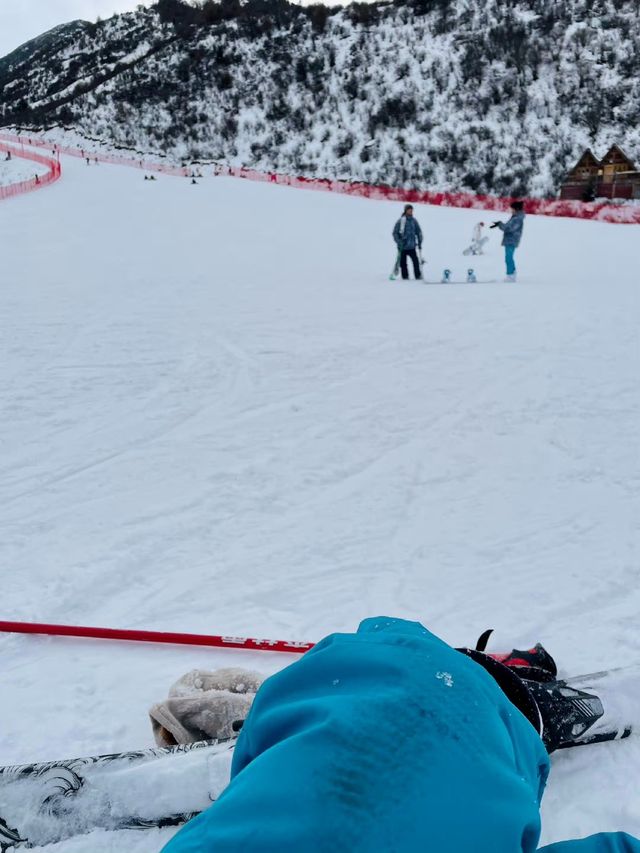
{"x":396,"y":233}
{"x":419,"y":235}
{"x":604,"y":842}
{"x":379,"y":741}
{"x":512,"y":229}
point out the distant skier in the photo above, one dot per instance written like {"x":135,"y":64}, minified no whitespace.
{"x":386,"y":739}
{"x":511,"y":236}
{"x":408,"y":237}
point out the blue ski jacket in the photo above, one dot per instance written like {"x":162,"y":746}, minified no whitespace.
{"x":383,"y":741}
{"x":512,"y":229}
{"x":407,"y":233}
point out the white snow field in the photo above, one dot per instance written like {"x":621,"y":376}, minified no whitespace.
{"x":18,"y":169}
{"x":218,"y":415}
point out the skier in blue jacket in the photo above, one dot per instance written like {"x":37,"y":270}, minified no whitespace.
{"x":408,"y":238}
{"x":384,"y":741}
{"x":511,"y":236}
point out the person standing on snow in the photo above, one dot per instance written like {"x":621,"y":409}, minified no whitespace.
{"x":511,"y":236}
{"x":408,"y":237}
{"x":384,"y":740}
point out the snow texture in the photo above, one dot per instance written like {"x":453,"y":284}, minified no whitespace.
{"x":17,"y":169}
{"x":220,"y":416}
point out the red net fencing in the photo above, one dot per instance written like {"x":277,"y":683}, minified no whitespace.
{"x":98,"y":156}
{"x":602,"y":211}
{"x":38,"y":181}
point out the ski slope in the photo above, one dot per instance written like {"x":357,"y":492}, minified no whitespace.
{"x":17,"y":169}
{"x":220,"y":416}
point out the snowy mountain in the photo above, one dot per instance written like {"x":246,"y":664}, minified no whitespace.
{"x":482,"y":95}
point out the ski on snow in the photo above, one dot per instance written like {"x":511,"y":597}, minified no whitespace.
{"x":45,"y":803}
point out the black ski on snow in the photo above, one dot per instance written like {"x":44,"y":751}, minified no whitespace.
{"x":45,"y":803}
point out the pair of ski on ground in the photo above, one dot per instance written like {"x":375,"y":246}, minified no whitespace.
{"x":407,"y":235}
{"x":386,"y":739}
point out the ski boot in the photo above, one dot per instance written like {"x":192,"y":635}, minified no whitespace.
{"x":535,"y":664}
{"x":564,"y":712}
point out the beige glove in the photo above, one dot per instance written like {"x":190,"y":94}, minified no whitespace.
{"x":204,"y":705}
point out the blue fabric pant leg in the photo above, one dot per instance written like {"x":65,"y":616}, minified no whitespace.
{"x":383,"y":741}
{"x":508,"y":257}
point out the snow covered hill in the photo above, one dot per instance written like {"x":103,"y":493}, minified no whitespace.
{"x":446,"y":94}
{"x":220,"y":416}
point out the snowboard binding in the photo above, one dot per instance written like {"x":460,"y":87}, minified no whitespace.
{"x":563,"y":712}
{"x":446,"y":276}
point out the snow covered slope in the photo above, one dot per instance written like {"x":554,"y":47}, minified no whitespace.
{"x":18,"y":169}
{"x":219,"y":415}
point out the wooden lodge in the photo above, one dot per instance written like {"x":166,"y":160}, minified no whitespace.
{"x":615,"y":176}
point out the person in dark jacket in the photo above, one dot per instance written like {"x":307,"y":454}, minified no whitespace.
{"x":511,"y":236}
{"x":387,"y":740}
{"x":408,"y":238}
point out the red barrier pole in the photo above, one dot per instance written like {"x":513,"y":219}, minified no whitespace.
{"x":223,"y":642}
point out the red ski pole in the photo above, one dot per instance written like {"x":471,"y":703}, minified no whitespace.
{"x":219,"y":641}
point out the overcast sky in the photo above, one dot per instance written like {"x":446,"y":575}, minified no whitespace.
{"x":21,"y":20}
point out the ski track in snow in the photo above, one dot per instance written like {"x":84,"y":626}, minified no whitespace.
{"x":220,"y":416}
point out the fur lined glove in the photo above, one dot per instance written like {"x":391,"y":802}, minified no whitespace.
{"x":204,"y":705}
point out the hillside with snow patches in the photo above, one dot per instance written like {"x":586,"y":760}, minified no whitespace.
{"x":219,"y":416}
{"x":489,"y":96}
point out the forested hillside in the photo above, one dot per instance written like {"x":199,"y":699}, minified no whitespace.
{"x":485,"y":95}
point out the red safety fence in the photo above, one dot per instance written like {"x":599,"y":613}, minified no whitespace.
{"x":38,"y":181}
{"x":602,"y":211}
{"x":628,"y":214}
{"x":218,"y":641}
{"x":98,"y":156}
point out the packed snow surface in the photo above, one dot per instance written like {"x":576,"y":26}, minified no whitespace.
{"x":17,"y":169}
{"x":219,"y":416}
